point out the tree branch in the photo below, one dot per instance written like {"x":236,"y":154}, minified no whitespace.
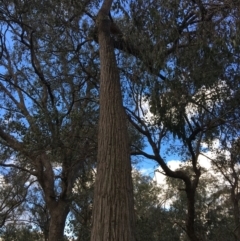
{"x":11,"y":141}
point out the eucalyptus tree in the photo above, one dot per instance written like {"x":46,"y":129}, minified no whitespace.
{"x":164,"y":52}
{"x":113,"y":210}
{"x":48,"y":86}
{"x":185,"y":70}
{"x":48,"y":92}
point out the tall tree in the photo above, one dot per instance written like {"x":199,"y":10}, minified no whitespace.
{"x":170,"y":54}
{"x":48,"y":108}
{"x":187,"y":94}
{"x":113,"y":210}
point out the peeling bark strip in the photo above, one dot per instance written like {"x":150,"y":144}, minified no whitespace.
{"x":113,"y":210}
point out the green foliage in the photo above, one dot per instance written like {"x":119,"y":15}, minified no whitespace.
{"x":179,"y":57}
{"x":153,"y":221}
{"x":24,"y":233}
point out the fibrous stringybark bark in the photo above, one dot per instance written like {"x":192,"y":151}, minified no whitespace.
{"x":113,"y":210}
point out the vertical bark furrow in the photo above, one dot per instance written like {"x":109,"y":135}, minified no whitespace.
{"x":113,"y":213}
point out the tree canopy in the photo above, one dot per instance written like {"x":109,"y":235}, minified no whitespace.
{"x":86,"y":85}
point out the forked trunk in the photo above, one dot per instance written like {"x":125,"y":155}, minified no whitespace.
{"x":113,"y":211}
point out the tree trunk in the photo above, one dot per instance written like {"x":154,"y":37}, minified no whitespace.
{"x":58,"y":215}
{"x":236,"y":214}
{"x":191,"y":215}
{"x":113,"y":210}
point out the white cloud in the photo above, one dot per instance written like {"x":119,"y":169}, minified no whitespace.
{"x":160,"y":178}
{"x":146,"y":171}
{"x":204,"y":161}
